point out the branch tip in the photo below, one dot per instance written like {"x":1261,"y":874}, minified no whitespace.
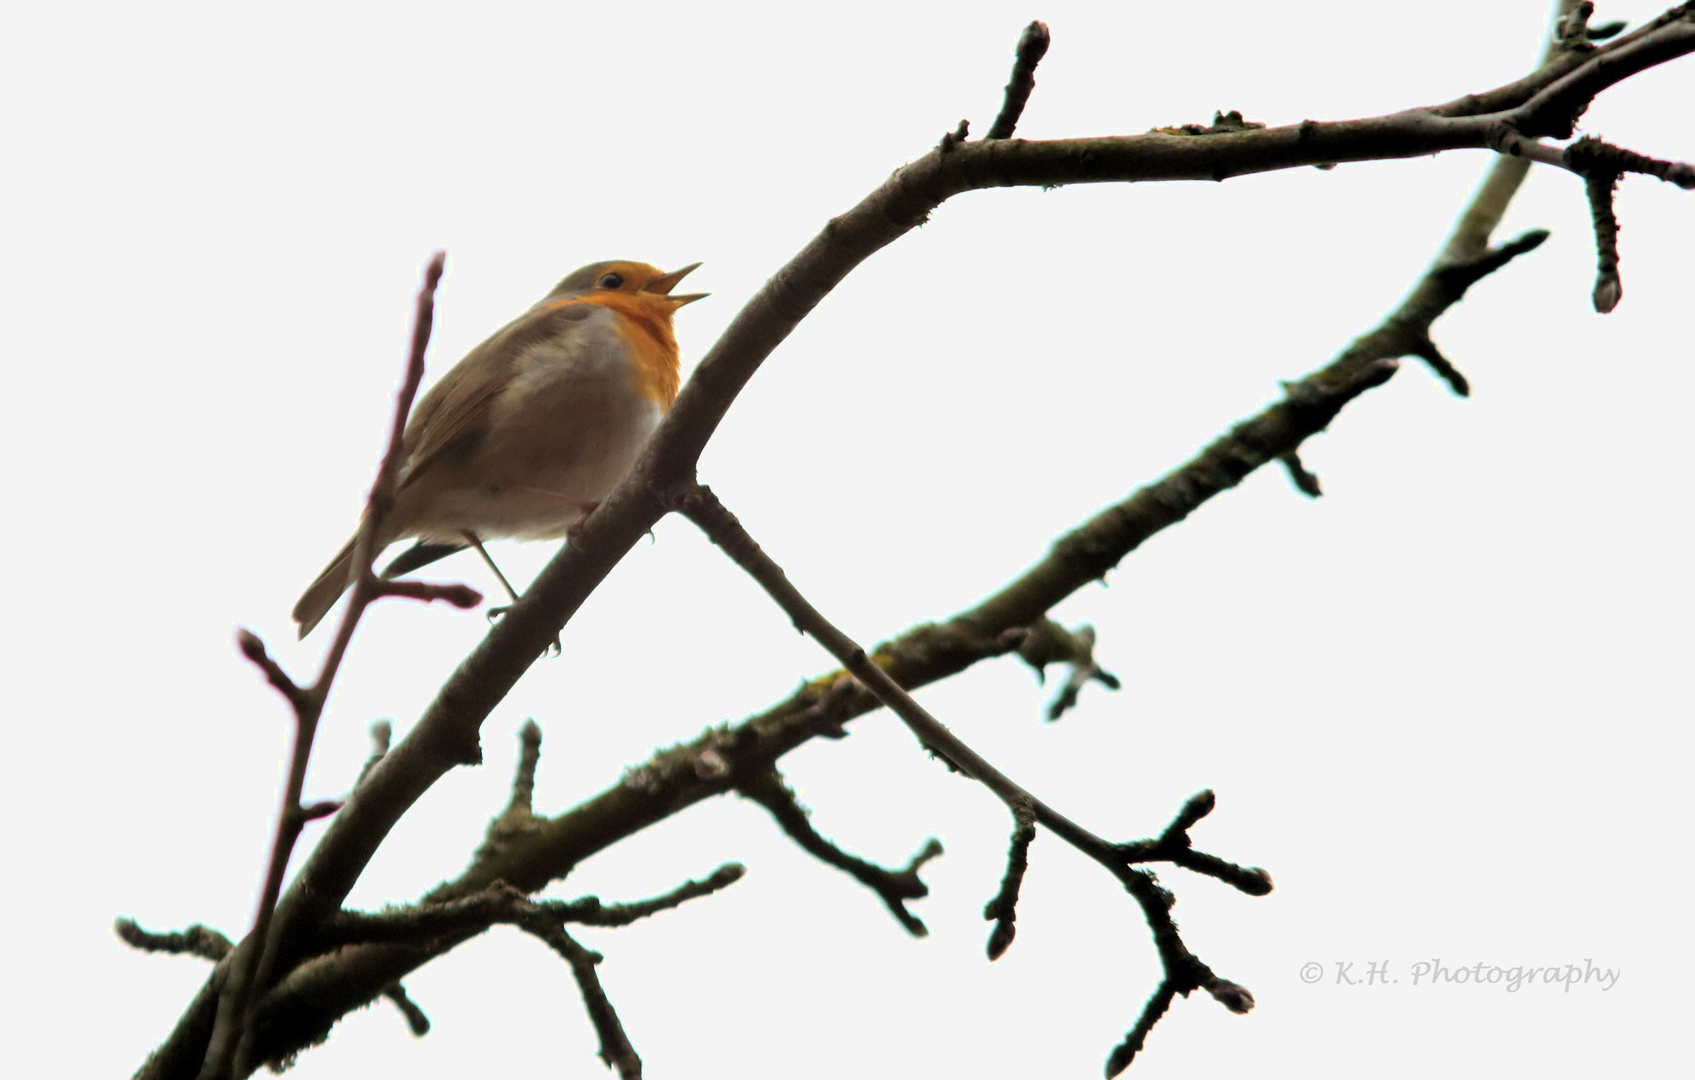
{"x":893,"y":887}
{"x":415,"y":1017}
{"x":1032,"y":46}
{"x":253,"y":648}
{"x":1232,"y":996}
{"x":1003,"y":908}
{"x":1305,"y":482}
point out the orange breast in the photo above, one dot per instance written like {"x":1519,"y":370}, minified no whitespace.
{"x":644,"y":324}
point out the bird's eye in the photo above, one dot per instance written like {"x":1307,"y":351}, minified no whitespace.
{"x":611,"y":281}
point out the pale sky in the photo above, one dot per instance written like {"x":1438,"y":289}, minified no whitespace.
{"x":1440,"y":705}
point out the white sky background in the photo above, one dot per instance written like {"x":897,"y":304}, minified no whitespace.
{"x":1442,"y":705}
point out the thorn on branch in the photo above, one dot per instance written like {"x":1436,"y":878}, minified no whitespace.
{"x":1032,"y":46}
{"x":1305,"y":482}
{"x":197,"y":940}
{"x":1003,"y":909}
{"x":415,"y":1018}
{"x":254,"y":649}
{"x":893,"y":887}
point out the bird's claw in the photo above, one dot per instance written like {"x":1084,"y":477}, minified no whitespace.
{"x":495,"y":612}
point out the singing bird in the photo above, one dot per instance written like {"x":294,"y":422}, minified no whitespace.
{"x":534,"y":427}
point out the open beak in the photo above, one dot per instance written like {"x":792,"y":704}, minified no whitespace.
{"x":664,"y":283}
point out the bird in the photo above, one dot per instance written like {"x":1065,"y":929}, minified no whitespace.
{"x":526,"y":435}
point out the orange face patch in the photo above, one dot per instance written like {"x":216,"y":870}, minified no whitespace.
{"x":644,"y":324}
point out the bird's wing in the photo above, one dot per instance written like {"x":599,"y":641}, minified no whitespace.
{"x":452,"y":419}
{"x":417,"y":556}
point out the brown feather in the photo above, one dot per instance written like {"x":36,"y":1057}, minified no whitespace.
{"x":452,"y":419}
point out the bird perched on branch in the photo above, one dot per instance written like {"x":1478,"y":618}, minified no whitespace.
{"x":526,"y":434}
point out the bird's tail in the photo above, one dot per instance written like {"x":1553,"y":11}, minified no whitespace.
{"x":322,"y":594}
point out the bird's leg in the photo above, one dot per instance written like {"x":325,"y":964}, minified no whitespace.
{"x":511,"y":593}
{"x":496,"y":612}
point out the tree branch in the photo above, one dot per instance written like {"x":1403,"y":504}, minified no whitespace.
{"x":893,"y":887}
{"x":446,"y":735}
{"x":1183,"y":971}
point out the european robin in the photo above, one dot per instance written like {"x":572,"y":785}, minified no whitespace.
{"x":526,"y":434}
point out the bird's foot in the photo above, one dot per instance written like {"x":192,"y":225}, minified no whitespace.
{"x":498,"y":610}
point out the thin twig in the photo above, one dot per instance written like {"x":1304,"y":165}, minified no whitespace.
{"x":589,"y":911}
{"x":197,"y":940}
{"x":1032,"y":46}
{"x":1305,"y":482}
{"x":1183,"y":970}
{"x":415,"y":1017}
{"x":893,"y":887}
{"x":1003,"y":909}
{"x":228,"y":1049}
{"x":447,"y":734}
{"x":425,"y":925}
{"x":701,"y":506}
{"x":615,"y":1048}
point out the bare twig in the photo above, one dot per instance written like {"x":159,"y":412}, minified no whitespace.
{"x":893,"y":887}
{"x":437,"y":926}
{"x":1601,"y":164}
{"x":1588,"y":156}
{"x":1305,"y":482}
{"x":228,"y":1048}
{"x":1032,"y":46}
{"x":1608,"y":288}
{"x":518,"y":818}
{"x":1182,"y":969}
{"x":615,"y":1048}
{"x":589,"y":911}
{"x":1003,"y":909}
{"x":1045,"y":642}
{"x":197,"y":940}
{"x":415,"y":1018}
{"x":254,"y":649}
{"x":446,"y":735}
{"x":1174,"y":846}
